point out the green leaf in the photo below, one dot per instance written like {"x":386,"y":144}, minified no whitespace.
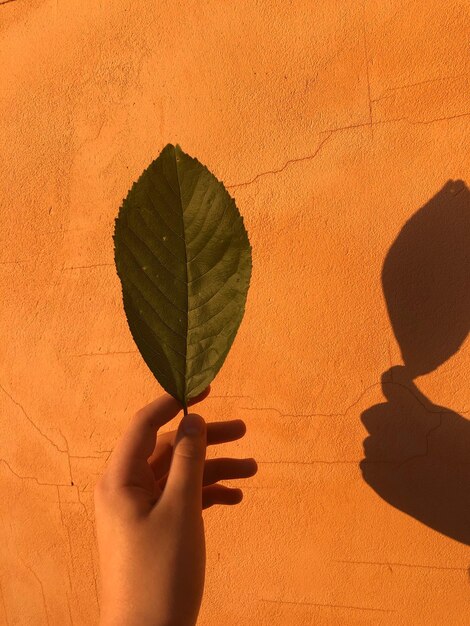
{"x":183,"y":256}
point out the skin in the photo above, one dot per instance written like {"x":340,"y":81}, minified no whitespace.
{"x":148,"y":512}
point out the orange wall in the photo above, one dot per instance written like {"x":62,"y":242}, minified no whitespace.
{"x":332,"y":124}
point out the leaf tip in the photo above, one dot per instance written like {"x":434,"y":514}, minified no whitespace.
{"x":174,"y":149}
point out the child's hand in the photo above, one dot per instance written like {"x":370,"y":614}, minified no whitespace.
{"x":148,"y":510}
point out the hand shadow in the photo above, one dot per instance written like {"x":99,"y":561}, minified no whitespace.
{"x":417,"y":457}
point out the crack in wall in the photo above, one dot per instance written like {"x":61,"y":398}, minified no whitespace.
{"x":386,"y":93}
{"x":83,"y":505}
{"x":86,"y":267}
{"x":96,"y":584}
{"x":33,"y":424}
{"x":69,"y":540}
{"x":68,"y":604}
{"x":439,"y":411}
{"x":68,"y":454}
{"x":33,"y":477}
{"x":332,"y":131}
{"x":65,"y":527}
{"x":424,"y":122}
{"x":434,"y":428}
{"x":366,"y":61}
{"x":106,"y":353}
{"x":76,"y":456}
{"x":41,"y":586}
{"x":4,"y":606}
{"x":289,"y":162}
{"x":410,"y":565}
{"x":315,"y":462}
{"x":211,"y":397}
{"x":329,"y":606}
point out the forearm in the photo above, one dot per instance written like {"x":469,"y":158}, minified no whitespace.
{"x":139,"y":607}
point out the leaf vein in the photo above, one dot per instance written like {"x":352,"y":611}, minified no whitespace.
{"x":152,"y":229}
{"x":139,"y":336}
{"x":215,"y":266}
{"x":212,"y":234}
{"x":203,"y":202}
{"x":142,"y":295}
{"x":155,"y":208}
{"x":142,"y":271}
{"x":153,"y":255}
{"x":212,"y":316}
{"x":194,"y":356}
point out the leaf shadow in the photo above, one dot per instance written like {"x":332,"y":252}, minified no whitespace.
{"x":417,"y":454}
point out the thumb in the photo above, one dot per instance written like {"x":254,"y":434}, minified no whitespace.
{"x":184,"y":482}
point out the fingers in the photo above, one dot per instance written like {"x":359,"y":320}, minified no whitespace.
{"x":223,"y":432}
{"x":228,"y":469}
{"x":217,"y":432}
{"x":138,"y":442}
{"x":218,"y":494}
{"x":223,"y":469}
{"x":184,"y":482}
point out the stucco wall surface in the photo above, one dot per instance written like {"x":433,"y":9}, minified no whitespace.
{"x":342,"y":129}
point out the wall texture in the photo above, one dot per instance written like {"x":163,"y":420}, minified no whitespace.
{"x":332,"y":123}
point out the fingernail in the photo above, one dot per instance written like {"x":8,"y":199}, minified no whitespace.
{"x":193,"y":424}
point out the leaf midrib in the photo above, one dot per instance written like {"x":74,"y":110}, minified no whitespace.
{"x":187,"y":275}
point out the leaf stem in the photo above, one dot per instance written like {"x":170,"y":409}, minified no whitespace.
{"x":185,"y":410}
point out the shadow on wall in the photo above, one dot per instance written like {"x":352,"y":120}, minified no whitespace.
{"x":417,"y":457}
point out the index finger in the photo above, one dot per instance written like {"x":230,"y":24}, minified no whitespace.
{"x":138,"y":441}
